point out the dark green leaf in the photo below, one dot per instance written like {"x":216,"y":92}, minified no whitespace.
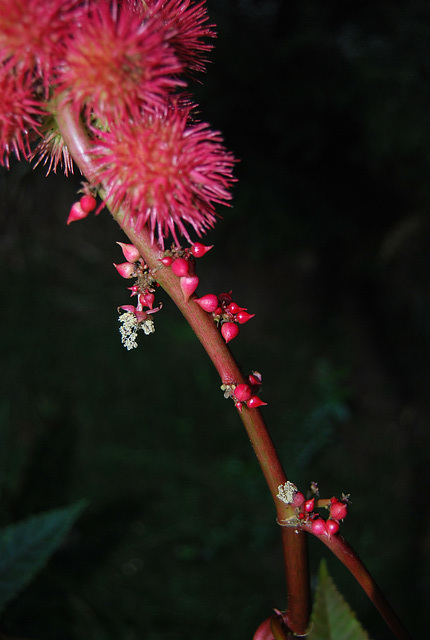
{"x":332,"y":617}
{"x":25,"y":547}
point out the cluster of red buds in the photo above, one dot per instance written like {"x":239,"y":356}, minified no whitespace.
{"x":136,"y":317}
{"x":182,"y":264}
{"x":245,"y":392}
{"x":305,"y":508}
{"x":225,"y":312}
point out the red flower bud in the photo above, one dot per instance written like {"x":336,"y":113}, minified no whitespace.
{"x":225,"y":297}
{"x":243,"y":316}
{"x":332,"y":527}
{"x":338,"y":510}
{"x":242,"y":392}
{"x":147,"y":299}
{"x":125,"y":269}
{"x":167,"y":261}
{"x":131,"y":254}
{"x":309,"y":505}
{"x":255,"y":402}
{"x":181,"y":267}
{"x":319,"y":527}
{"x":198,"y":249}
{"x":229,"y":330}
{"x":208,"y":303}
{"x":88,"y":203}
{"x":255,"y":379}
{"x":234,"y":308}
{"x":76,"y":213}
{"x":188,"y":285}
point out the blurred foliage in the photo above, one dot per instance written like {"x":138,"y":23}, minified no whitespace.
{"x":327,"y":107}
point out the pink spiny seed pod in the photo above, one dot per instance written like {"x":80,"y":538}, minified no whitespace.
{"x":88,"y":203}
{"x":188,"y":285}
{"x":309,"y":505}
{"x":242,"y":392}
{"x":131,"y":254}
{"x":208,"y":303}
{"x":224,"y":297}
{"x":147,"y":299}
{"x":76,"y":213}
{"x":298,"y":499}
{"x":338,"y":510}
{"x":167,"y":261}
{"x":198,"y":249}
{"x":125,"y":269}
{"x":244,"y":316}
{"x":180,"y":267}
{"x":332,"y":527}
{"x":255,"y":402}
{"x":319,"y":527}
{"x":229,"y":330}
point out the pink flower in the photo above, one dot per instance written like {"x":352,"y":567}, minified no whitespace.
{"x":19,"y":113}
{"x":118,"y":62}
{"x":188,"y":31}
{"x":167,"y":173}
{"x":31,"y":32}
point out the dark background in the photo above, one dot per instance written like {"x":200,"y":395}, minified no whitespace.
{"x":327,"y":106}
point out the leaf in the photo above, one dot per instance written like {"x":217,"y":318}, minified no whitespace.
{"x":25,"y":547}
{"x":332,"y":617}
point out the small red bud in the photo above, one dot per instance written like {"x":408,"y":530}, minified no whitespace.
{"x":234,"y":308}
{"x":332,"y":527}
{"x":167,"y":261}
{"x":181,"y":267}
{"x":242,"y":392}
{"x":225,"y":297}
{"x":319,"y":526}
{"x":125,"y":269}
{"x":239,"y":406}
{"x":198,"y":249}
{"x":88,"y":203}
{"x":244,"y":316}
{"x":255,"y":379}
{"x":218,"y":311}
{"x":338,"y":510}
{"x":229,"y":330}
{"x":309,"y":505}
{"x":208,"y":303}
{"x":131,"y":254}
{"x":298,"y":499}
{"x":76,"y":213}
{"x":188,"y":285}
{"x":255,"y":402}
{"x":147,"y":299}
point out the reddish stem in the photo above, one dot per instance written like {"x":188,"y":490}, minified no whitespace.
{"x":293,"y":538}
